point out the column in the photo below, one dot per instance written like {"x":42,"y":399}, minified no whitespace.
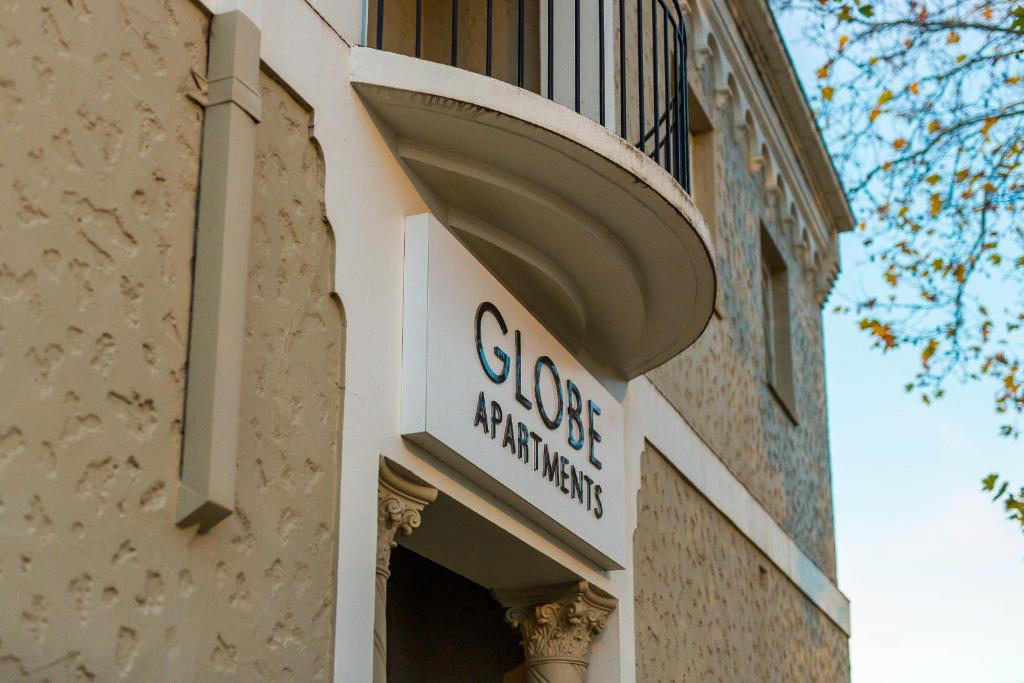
{"x":557,"y":624}
{"x":399,"y":504}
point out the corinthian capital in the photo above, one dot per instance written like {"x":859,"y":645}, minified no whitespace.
{"x":557,"y":623}
{"x":399,"y":504}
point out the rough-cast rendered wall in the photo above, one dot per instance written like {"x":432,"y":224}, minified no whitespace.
{"x":710,"y":606}
{"x":98,"y":177}
{"x":719,"y":383}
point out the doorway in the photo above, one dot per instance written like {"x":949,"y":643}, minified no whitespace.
{"x":444,"y":627}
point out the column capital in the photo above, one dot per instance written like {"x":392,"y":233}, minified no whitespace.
{"x":400,"y":503}
{"x":557,"y":622}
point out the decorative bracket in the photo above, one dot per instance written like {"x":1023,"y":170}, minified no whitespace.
{"x":399,"y":504}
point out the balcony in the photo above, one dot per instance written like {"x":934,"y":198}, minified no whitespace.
{"x":552,"y":137}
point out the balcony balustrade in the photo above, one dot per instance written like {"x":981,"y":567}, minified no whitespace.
{"x":621,"y":63}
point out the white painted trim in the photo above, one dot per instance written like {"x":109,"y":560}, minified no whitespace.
{"x":652,"y":416}
{"x":414,"y":325}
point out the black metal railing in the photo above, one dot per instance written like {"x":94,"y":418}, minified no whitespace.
{"x":560,"y":49}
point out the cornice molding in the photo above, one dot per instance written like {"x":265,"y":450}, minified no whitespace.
{"x":811,"y":209}
{"x":760,"y":31}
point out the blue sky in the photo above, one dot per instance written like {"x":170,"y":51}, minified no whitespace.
{"x":934,"y":572}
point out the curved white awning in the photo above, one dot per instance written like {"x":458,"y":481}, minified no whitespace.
{"x":589,"y":233}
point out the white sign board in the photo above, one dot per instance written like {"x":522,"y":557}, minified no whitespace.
{"x":491,"y":392}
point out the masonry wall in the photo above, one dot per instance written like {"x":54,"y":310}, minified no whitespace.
{"x":719,"y":384}
{"x":710,"y":606}
{"x":98,"y":181}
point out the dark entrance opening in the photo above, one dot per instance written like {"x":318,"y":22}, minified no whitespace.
{"x":444,"y":627}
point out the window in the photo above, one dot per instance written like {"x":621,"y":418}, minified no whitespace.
{"x":776,"y":321}
{"x":703,"y":181}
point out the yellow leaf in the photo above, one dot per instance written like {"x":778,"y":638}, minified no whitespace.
{"x":884,"y":97}
{"x":987,"y":12}
{"x":899,"y":143}
{"x":886,"y":166}
{"x":915,"y":88}
{"x":936,"y":204}
{"x":934,"y":126}
{"x":960,"y":273}
{"x":960,"y":59}
{"x":953,"y":37}
{"x":1013,"y":80}
{"x":961,"y":175}
{"x":929,"y":351}
{"x":934,"y":178}
{"x":843,"y":40}
{"x":823,"y":72}
{"x":874,"y":114}
{"x":826,"y":93}
{"x":880,"y":330}
{"x":873,"y":61}
{"x":989,"y":122}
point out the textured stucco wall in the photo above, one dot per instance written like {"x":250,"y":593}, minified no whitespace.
{"x":719,"y":384}
{"x":98,"y":178}
{"x":710,"y":606}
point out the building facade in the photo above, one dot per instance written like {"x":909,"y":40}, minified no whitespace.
{"x":415,"y":341}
